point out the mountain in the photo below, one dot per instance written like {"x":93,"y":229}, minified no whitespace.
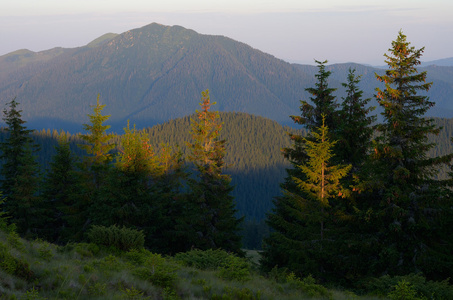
{"x":445,"y":62}
{"x":151,"y":75}
{"x":155,"y":73}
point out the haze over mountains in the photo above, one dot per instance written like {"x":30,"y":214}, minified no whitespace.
{"x":155,"y":73}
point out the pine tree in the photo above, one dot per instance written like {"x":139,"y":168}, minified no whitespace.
{"x":407,"y":205}
{"x":20,"y":172}
{"x":213,"y":223}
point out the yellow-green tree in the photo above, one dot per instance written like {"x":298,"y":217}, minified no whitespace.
{"x":322,"y":178}
{"x":214,"y":224}
{"x":98,"y":143}
{"x":301,"y":241}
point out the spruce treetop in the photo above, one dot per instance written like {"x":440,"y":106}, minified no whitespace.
{"x":98,"y":141}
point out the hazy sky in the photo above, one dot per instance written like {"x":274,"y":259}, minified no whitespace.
{"x":293,"y":30}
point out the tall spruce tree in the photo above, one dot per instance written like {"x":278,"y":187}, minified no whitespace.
{"x":323,"y":178}
{"x":214,"y":224}
{"x":20,"y":172}
{"x":322,"y":102}
{"x":126,"y":196}
{"x":287,"y":215}
{"x":169,"y":206}
{"x":301,"y":240}
{"x":61,"y":194}
{"x":354,"y":130}
{"x":405,"y":212}
{"x":98,"y":145}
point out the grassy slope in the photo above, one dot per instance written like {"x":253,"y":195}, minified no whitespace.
{"x":39,"y":270}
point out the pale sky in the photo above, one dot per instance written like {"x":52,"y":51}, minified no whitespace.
{"x":294,"y":30}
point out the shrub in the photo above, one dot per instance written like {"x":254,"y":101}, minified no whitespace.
{"x":14,"y":240}
{"x":138,"y":256}
{"x":204,"y":260}
{"x":159,"y":276}
{"x":97,"y":289}
{"x":45,"y":252}
{"x":278,"y":274}
{"x":154,"y":268}
{"x":237,"y":293}
{"x":235,"y":268}
{"x":132,"y":293}
{"x":308,"y":286}
{"x":83,"y":249}
{"x":13,"y":265}
{"x":121,"y":238}
{"x":403,"y":291}
{"x":384,"y":285}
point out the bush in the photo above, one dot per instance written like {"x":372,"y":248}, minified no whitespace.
{"x":123,"y":239}
{"x":403,"y":291}
{"x":139,"y":257}
{"x":308,"y":286}
{"x":204,"y":260}
{"x":153,"y":268}
{"x":237,"y":293}
{"x":385,"y":285}
{"x":13,"y":265}
{"x":158,"y":276}
{"x":235,"y":268}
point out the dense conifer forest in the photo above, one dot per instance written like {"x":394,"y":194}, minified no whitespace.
{"x":344,"y":199}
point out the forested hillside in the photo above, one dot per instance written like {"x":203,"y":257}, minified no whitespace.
{"x":253,"y":157}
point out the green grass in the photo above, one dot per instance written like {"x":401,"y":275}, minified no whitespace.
{"x":40,"y":270}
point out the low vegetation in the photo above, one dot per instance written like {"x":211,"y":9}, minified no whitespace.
{"x":41,"y":270}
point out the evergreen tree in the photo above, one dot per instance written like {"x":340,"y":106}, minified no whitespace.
{"x":354,"y":129}
{"x":170,"y":207}
{"x":405,"y":212}
{"x":61,"y":193}
{"x":98,"y":143}
{"x":323,"y":103}
{"x":288,"y":210}
{"x":323,"y":179}
{"x":125,"y":199}
{"x":20,"y":172}
{"x":142,"y":192}
{"x":213,"y":223}
{"x":301,"y":241}
{"x":93,"y":170}
{"x":13,"y":147}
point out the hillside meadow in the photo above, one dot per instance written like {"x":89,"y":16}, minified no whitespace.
{"x":41,"y":270}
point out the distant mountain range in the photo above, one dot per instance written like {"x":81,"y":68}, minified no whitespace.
{"x":156,"y":73}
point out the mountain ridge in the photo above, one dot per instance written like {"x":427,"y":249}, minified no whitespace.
{"x":155,"y":73}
